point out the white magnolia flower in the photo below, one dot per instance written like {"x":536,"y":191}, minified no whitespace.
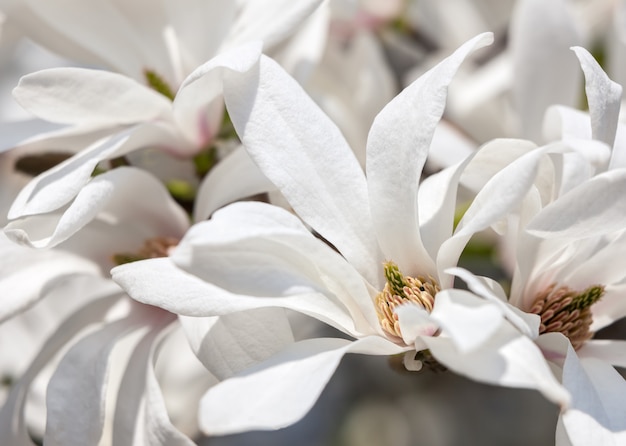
{"x":393,"y":237}
{"x":564,"y":252}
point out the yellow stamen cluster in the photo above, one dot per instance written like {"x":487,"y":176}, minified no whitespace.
{"x":567,"y":311}
{"x":400,"y":290}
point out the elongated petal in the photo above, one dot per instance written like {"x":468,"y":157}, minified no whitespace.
{"x":545,"y":71}
{"x":197,"y":105}
{"x":139,"y":386}
{"x":25,"y":274}
{"x":526,"y":323}
{"x":604,"y":97}
{"x":468,"y":320}
{"x":228,"y":344}
{"x":594,"y":208}
{"x":160,"y":283}
{"x":233,"y":178}
{"x":82,"y":96}
{"x":397,"y":147}
{"x":271,"y":22}
{"x":608,"y":350}
{"x":59,"y":185}
{"x":507,"y":359}
{"x":258,"y":249}
{"x":303,"y":153}
{"x":502,"y":193}
{"x":99,"y":29}
{"x":598,"y":415}
{"x":75,"y":397}
{"x":108,"y":193}
{"x":284,"y":388}
{"x":12,"y":423}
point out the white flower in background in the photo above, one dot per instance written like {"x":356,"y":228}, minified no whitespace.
{"x":164,"y":39}
{"x":394,"y":242}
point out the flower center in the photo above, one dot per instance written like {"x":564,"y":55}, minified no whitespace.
{"x":151,"y":249}
{"x":401,"y":290}
{"x":567,"y":311}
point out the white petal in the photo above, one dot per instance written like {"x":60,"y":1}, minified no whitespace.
{"x":107,"y":195}
{"x":12,"y":423}
{"x":397,"y":147}
{"x":507,"y":359}
{"x":99,"y":29}
{"x":57,"y":186}
{"x":545,"y":73}
{"x":594,"y":208}
{"x":468,"y":320}
{"x":25,"y":274}
{"x":610,"y":351}
{"x":526,"y":323}
{"x":160,"y":283}
{"x":270,"y":22}
{"x":414,"y":322}
{"x":598,"y":414}
{"x":501,"y":194}
{"x":604,"y":97}
{"x":159,"y":429}
{"x":82,"y":96}
{"x":233,"y":178}
{"x":197,"y":105}
{"x":303,"y":153}
{"x":75,"y":397}
{"x":60,"y":184}
{"x":230,"y":343}
{"x":281,"y":390}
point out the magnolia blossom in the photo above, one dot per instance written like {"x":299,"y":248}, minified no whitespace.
{"x":563,"y":248}
{"x":378,"y":275}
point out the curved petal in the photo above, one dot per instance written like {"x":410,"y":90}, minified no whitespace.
{"x":284,"y":387}
{"x":259,"y":249}
{"x":197,"y":106}
{"x":230,"y":343}
{"x":106,"y":196}
{"x":610,"y":351}
{"x":272,"y":21}
{"x":397,"y":147}
{"x":12,"y":423}
{"x":160,"y":283}
{"x":25,"y":275}
{"x":527,"y":324}
{"x":60,"y":184}
{"x":604,"y":97}
{"x":594,"y":208}
{"x":99,"y":29}
{"x":598,"y":414}
{"x":233,"y":178}
{"x":468,"y":320}
{"x":508,"y":359}
{"x":76,"y":394}
{"x":502,"y":193}
{"x":83,"y":96}
{"x":545,"y":71}
{"x":303,"y":153}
